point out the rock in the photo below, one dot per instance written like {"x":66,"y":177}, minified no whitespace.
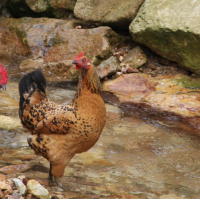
{"x":9,"y":123}
{"x":15,"y":195}
{"x":20,"y":186}
{"x":171,"y":35}
{"x":1,"y":194}
{"x":30,"y":64}
{"x":9,"y":197}
{"x":15,"y":168}
{"x":108,"y":67}
{"x":63,"y":69}
{"x":59,"y":196}
{"x":132,"y":70}
{"x":135,"y":58}
{"x":7,"y":101}
{"x":23,"y":179}
{"x":39,"y":8}
{"x":129,"y":86}
{"x":41,"y":40}
{"x":29,"y":196}
{"x":7,"y":187}
{"x":112,"y":12}
{"x":2,"y":177}
{"x":118,"y":74}
{"x":37,"y":190}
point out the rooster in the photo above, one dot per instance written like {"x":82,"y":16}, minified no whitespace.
{"x":61,"y":131}
{"x":3,"y":77}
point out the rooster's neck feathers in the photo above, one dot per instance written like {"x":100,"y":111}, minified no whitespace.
{"x":89,"y":81}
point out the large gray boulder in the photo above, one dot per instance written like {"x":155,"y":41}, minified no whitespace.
{"x":171,"y":29}
{"x":119,"y":13}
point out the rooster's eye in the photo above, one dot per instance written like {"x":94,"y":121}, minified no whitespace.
{"x":83,"y":60}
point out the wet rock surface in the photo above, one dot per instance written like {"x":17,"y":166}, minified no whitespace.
{"x":140,"y":154}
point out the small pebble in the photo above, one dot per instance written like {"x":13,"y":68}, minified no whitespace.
{"x":78,"y":27}
{"x":121,"y":58}
{"x":29,"y":196}
{"x":15,"y":195}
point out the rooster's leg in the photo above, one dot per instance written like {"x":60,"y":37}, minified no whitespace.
{"x":58,"y":182}
{"x":50,"y":173}
{"x":51,"y":177}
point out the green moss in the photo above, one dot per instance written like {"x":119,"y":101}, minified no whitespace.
{"x":189,"y":82}
{"x":22,"y":35}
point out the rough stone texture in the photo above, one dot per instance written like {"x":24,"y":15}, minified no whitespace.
{"x":64,"y":69}
{"x":112,"y":12}
{"x":2,"y":177}
{"x":108,"y":67}
{"x":171,"y":29}
{"x":9,"y":123}
{"x":20,"y":186}
{"x":5,"y":186}
{"x":37,"y":190}
{"x":11,"y":168}
{"x":39,"y":8}
{"x":129,"y":85}
{"x":135,"y":58}
{"x":46,"y":40}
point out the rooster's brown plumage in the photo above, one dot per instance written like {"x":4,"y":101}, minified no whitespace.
{"x":61,"y":131}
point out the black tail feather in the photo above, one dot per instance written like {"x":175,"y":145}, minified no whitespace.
{"x":28,"y":81}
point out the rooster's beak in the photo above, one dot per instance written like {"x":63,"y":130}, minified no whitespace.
{"x":3,"y":87}
{"x":74,"y":62}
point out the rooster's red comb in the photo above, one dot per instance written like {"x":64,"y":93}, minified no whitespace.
{"x":3,"y":75}
{"x":80,"y":55}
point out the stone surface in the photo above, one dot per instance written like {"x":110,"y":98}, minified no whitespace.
{"x":2,"y":177}
{"x":1,"y":194}
{"x":39,"y":8}
{"x":37,"y":190}
{"x":41,"y":39}
{"x":112,"y":12}
{"x":108,"y":67}
{"x":168,"y":33}
{"x":11,"y":168}
{"x":63,"y":70}
{"x":9,"y":123}
{"x":135,"y":58}
{"x":7,"y":187}
{"x":129,"y":85}
{"x":20,"y":186}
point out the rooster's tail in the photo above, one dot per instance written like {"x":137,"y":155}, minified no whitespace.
{"x":32,"y":90}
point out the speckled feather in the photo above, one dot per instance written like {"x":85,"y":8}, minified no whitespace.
{"x":61,"y":131}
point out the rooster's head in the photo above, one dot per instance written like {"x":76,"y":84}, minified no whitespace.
{"x":3,"y":77}
{"x":81,"y":61}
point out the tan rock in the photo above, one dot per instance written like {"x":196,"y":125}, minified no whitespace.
{"x":129,"y":85}
{"x":15,"y":168}
{"x":2,"y":177}
{"x":108,"y":67}
{"x":135,"y":58}
{"x":7,"y":187}
{"x":116,"y":12}
{"x":37,"y":190}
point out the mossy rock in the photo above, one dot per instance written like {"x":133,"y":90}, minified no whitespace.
{"x":189,"y":82}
